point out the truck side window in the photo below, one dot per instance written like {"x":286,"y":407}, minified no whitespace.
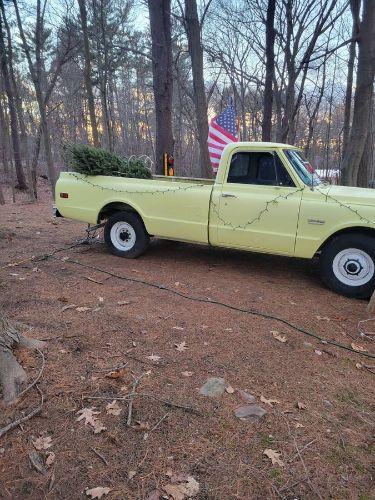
{"x":255,"y":167}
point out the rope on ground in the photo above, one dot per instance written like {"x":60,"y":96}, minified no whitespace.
{"x":252,"y":312}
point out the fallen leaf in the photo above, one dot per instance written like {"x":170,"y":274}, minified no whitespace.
{"x":88,"y":415}
{"x":186,"y":489}
{"x":141,"y":426}
{"x":153,"y":357}
{"x":98,"y":427}
{"x":301,"y":406}
{"x":119,"y":373}
{"x":358,"y":347}
{"x":101,"y":299}
{"x":276,"y":335}
{"x":177,"y":328}
{"x":113,"y":408}
{"x":358,"y":365}
{"x":323,"y":318}
{"x":97,"y":492}
{"x":186,"y":374}
{"x":299,"y":425}
{"x":319,"y":353}
{"x":123,"y":302}
{"x":229,"y":389}
{"x":269,"y":401}
{"x":50,"y":458}
{"x":181,"y":347}
{"x":43,"y":443}
{"x":274,"y":456}
{"x":82,"y":309}
{"x":131,"y":474}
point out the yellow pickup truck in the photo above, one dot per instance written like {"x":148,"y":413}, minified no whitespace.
{"x":265,"y":198}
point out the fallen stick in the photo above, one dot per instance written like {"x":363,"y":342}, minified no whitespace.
{"x":102,"y":457}
{"x":170,"y":404}
{"x":21,"y":420}
{"x":132,"y":396}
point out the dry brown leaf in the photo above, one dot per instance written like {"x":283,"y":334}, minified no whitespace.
{"x":186,"y":489}
{"x":186,"y":374}
{"x":141,"y":426}
{"x":50,"y":458}
{"x":97,"y":492}
{"x":301,"y":406}
{"x":269,"y":401}
{"x":358,"y":347}
{"x":42,"y":443}
{"x":319,"y":353}
{"x":82,"y":309}
{"x":123,"y":302}
{"x":274,"y":456}
{"x":119,"y":373}
{"x":229,"y":389}
{"x":181,"y":347}
{"x":113,"y":408}
{"x":276,"y":335}
{"x":358,"y":365}
{"x":131,"y":474}
{"x":88,"y":415}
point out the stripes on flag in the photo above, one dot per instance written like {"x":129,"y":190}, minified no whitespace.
{"x":222,"y":131}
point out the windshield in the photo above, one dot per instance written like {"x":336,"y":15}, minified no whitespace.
{"x":303,"y":168}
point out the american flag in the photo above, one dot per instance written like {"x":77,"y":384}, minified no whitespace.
{"x":221,"y":132}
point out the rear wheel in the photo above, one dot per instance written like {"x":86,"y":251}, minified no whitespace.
{"x":347,"y":265}
{"x":126,"y":235}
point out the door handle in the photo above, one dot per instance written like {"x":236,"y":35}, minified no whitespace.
{"x":228,"y":195}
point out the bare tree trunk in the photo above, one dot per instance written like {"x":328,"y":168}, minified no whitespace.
{"x":355,"y":7}
{"x":193,"y":31}
{"x":87,"y":73}
{"x":365,"y":167}
{"x":160,"y":23}
{"x":362,"y":97}
{"x":36,"y":75}
{"x":4,"y":138}
{"x":2,"y":199}
{"x":12,"y":109}
{"x":11,"y":372}
{"x":270,"y":71}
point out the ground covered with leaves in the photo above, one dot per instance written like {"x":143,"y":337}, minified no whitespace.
{"x":125,"y":412}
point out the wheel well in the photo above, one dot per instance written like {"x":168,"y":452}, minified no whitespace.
{"x":349,"y":230}
{"x":112,"y":208}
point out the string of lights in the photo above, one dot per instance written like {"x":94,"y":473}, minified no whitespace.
{"x":214,"y":207}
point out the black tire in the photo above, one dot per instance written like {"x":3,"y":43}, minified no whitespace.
{"x":129,"y":239}
{"x":347,"y":265}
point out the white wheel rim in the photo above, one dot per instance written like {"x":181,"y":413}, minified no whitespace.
{"x":123,"y":236}
{"x":353,"y":267}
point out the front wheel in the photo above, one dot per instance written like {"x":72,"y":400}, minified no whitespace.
{"x":347,"y":265}
{"x":125,"y":235}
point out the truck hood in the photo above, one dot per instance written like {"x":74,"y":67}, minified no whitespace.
{"x":349,"y":195}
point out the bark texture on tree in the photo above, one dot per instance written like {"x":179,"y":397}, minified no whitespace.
{"x":362,"y":96}
{"x":270,"y":71}
{"x":160,"y":23}
{"x":11,"y":372}
{"x":355,"y":7}
{"x":193,"y":32}
{"x":87,"y":73}
{"x":12,"y":108}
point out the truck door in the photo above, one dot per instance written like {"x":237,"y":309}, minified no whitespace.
{"x":259,"y":204}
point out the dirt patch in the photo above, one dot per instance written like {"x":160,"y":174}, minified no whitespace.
{"x":321,"y":422}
